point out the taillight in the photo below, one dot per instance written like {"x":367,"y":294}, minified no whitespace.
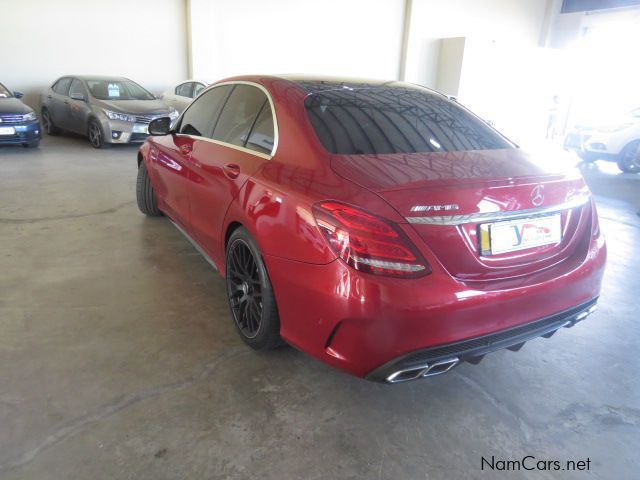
{"x":368,"y":243}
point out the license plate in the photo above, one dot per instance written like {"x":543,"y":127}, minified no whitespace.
{"x":7,"y":131}
{"x":521,"y":234}
{"x":138,"y":128}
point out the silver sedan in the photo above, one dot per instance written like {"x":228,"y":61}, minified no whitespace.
{"x":105,"y":109}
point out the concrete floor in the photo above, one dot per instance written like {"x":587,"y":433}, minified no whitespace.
{"x":118,"y":358}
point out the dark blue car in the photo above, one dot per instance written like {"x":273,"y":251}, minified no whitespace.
{"x":19,"y":124}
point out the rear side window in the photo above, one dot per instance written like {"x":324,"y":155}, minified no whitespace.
{"x":62,"y":86}
{"x":391,"y":119}
{"x":184,"y":90}
{"x":197,"y":88}
{"x":199,"y":119}
{"x":261,"y":138}
{"x":239,"y":115}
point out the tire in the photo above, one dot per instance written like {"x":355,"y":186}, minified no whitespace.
{"x":47,"y":123}
{"x":629,"y":158}
{"x":250,"y":294}
{"x":32,"y":144}
{"x":96,"y":134}
{"x":146,"y":197}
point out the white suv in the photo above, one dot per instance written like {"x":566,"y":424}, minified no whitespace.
{"x":618,"y":143}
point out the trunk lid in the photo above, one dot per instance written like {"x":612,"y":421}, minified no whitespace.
{"x":448,"y":197}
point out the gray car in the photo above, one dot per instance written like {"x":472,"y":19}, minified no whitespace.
{"x":105,"y":109}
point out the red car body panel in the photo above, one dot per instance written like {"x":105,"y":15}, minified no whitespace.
{"x":358,"y":321}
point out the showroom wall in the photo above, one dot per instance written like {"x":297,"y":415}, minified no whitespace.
{"x":510,"y":21}
{"x":338,"y":37}
{"x":142,"y":39}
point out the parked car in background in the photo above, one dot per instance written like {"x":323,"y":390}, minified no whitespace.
{"x":618,"y":142}
{"x":378,"y":226}
{"x":180,"y":96}
{"x":105,"y":109}
{"x":19,"y":124}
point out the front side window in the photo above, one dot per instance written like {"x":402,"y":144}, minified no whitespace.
{"x":239,"y":115}
{"x":392,"y":119}
{"x":5,"y":92}
{"x":62,"y":86}
{"x":184,"y":90}
{"x":117,"y":89}
{"x":77,"y":88}
{"x":199,"y":119}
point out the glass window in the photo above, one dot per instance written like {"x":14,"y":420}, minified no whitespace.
{"x":62,"y":86}
{"x":4,"y":92}
{"x":185,"y":89}
{"x":117,"y":89}
{"x":238,"y":115}
{"x":261,"y":138}
{"x":77,"y":88}
{"x":197,"y":88}
{"x":199,"y":119}
{"x":393,"y":119}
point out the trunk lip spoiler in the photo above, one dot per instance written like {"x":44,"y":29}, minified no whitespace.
{"x":485,"y":217}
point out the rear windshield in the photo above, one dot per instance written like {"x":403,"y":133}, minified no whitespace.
{"x":118,"y":90}
{"x":391,"y":119}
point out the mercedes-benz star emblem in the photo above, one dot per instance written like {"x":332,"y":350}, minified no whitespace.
{"x":537,"y":195}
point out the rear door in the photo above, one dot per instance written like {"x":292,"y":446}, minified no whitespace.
{"x":242,"y":141}
{"x":58,"y":102}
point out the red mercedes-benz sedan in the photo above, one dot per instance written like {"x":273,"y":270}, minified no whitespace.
{"x":378,"y":226}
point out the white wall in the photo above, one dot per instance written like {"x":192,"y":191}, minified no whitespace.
{"x":41,"y":40}
{"x":503,"y":21}
{"x":331,"y":37}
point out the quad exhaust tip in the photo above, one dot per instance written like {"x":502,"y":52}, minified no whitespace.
{"x":426,"y":370}
{"x":443,"y":366}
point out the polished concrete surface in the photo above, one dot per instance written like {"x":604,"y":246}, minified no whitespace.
{"x":118,"y":358}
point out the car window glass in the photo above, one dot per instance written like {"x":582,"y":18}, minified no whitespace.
{"x":239,"y":114}
{"x":261,"y":138}
{"x":4,"y":92}
{"x":379,"y":120}
{"x":77,"y":88}
{"x":199,"y":119}
{"x":198,"y":87}
{"x":62,"y":86}
{"x":117,"y":89}
{"x":184,"y":90}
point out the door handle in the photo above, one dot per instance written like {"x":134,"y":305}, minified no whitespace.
{"x":186,"y":149}
{"x":231,"y":170}
{"x":48,"y":96}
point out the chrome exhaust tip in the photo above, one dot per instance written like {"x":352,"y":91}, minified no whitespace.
{"x":426,"y":370}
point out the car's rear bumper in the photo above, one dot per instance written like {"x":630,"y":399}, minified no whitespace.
{"x":360,"y":323}
{"x":442,"y":358}
{"x":24,"y":133}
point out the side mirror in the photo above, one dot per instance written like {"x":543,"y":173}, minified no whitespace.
{"x":18,"y":94}
{"x":78,"y":96}
{"x":160,"y":126}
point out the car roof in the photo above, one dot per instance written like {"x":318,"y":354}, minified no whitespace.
{"x":311,"y":84}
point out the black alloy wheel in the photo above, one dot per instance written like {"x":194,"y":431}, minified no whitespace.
{"x":249,"y":293}
{"x":629,"y":161}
